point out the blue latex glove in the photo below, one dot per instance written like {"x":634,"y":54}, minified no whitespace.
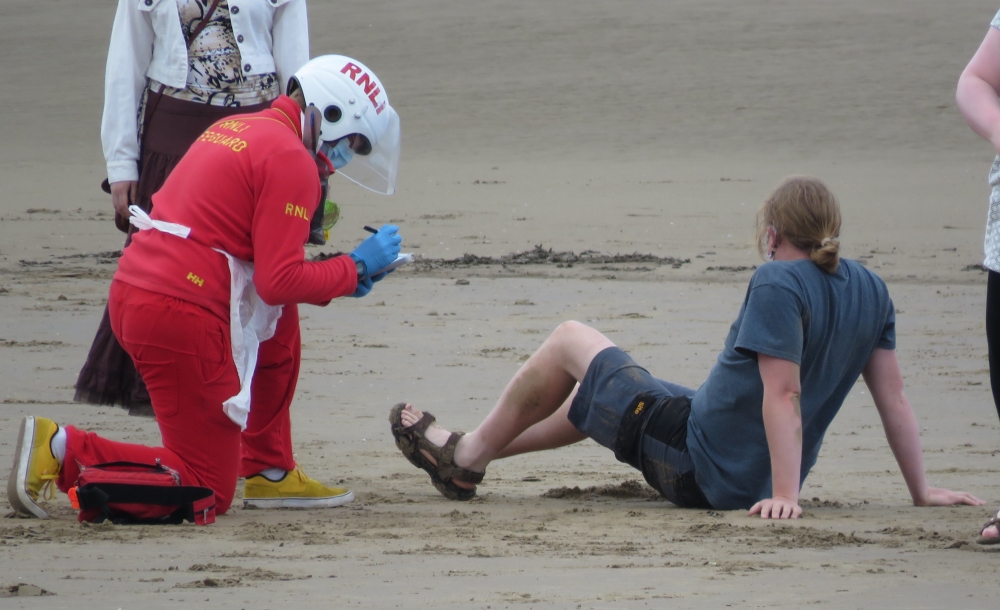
{"x":378,"y":278}
{"x":364,"y":287}
{"x":380,"y":250}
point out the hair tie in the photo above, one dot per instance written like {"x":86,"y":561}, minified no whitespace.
{"x":826,"y":241}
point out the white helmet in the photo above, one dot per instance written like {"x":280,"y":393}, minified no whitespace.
{"x":353,"y":101}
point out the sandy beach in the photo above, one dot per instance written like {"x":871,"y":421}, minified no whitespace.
{"x":635,"y":129}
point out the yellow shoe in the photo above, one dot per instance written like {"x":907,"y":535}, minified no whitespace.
{"x":295,"y":490}
{"x":35,"y":468}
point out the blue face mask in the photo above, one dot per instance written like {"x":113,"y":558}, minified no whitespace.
{"x":339,"y":154}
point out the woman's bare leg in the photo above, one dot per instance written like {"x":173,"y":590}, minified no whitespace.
{"x":537,"y":391}
{"x":537,"y":398}
{"x":551,"y":433}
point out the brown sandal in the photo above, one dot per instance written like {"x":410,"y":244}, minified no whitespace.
{"x":994,"y":520}
{"x":411,"y":440}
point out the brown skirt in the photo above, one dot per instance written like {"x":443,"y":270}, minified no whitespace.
{"x":108,"y":377}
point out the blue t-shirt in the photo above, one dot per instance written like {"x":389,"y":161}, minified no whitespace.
{"x":828,"y":324}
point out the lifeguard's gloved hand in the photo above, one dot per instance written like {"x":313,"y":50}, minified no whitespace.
{"x":364,"y":287}
{"x":380,"y":250}
{"x":365,"y":284}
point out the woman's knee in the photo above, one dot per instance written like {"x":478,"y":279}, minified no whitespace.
{"x":578,"y":343}
{"x":573,"y":333}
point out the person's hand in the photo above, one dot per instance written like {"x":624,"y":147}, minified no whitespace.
{"x":364,"y":287}
{"x":379,"y":277}
{"x":123,"y":195}
{"x":945,"y":497}
{"x":777,"y":508}
{"x":379,"y":250}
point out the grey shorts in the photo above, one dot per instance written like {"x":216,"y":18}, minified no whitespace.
{"x":643,"y":420}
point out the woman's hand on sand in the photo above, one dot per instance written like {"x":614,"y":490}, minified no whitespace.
{"x":945,"y":497}
{"x":123,"y":195}
{"x":777,"y":508}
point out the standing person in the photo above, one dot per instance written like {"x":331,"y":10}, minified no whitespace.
{"x":809,"y":325}
{"x":209,"y":273}
{"x":977,"y":98}
{"x":175,"y":67}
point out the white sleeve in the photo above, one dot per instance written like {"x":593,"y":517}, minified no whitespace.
{"x":290,"y":36}
{"x":129,"y":56}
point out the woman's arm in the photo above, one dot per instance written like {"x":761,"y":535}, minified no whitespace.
{"x":129,"y":56}
{"x":979,"y":89}
{"x":885,"y":382}
{"x":783,"y":426}
{"x":290,"y":40}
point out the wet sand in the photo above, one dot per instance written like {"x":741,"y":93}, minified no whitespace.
{"x":636,"y":136}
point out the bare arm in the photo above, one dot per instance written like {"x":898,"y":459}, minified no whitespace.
{"x":978,"y":89}
{"x":885,"y":382}
{"x":783,"y":426}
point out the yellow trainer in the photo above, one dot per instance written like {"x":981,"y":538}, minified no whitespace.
{"x":295,"y":490}
{"x":35,"y":468}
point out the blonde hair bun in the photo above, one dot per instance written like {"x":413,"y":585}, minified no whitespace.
{"x":804,"y":211}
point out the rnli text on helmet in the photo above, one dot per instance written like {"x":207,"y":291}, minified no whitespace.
{"x":365,"y":80}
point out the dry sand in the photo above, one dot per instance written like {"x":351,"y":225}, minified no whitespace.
{"x":615,"y":126}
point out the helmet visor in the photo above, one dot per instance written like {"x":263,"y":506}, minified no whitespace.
{"x":376,"y":170}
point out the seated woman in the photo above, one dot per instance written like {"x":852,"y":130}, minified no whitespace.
{"x":810,"y":324}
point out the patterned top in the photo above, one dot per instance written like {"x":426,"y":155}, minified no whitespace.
{"x":991,"y":245}
{"x":215,"y":76}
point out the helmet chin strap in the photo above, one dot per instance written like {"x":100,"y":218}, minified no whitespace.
{"x":312,"y":122}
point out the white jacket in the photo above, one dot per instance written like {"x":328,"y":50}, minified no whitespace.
{"x":146,"y":41}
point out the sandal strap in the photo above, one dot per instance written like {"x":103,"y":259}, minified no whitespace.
{"x":994,"y":520}
{"x":417,"y":430}
{"x":421,"y":426}
{"x":412,"y":441}
{"x":448,"y":470}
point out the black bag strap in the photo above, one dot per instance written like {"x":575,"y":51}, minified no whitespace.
{"x":99,"y":495}
{"x":158,"y":467}
{"x":95,"y":495}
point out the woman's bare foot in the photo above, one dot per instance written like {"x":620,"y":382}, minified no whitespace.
{"x":437,"y":436}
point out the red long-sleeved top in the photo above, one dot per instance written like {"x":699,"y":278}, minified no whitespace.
{"x":247,"y":187}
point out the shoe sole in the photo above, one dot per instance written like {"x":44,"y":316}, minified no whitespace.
{"x":17,"y":482}
{"x":299,"y":502}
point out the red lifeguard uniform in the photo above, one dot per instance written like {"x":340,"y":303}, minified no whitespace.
{"x":246,"y":187}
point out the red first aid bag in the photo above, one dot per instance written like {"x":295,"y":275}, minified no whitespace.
{"x":126,"y":492}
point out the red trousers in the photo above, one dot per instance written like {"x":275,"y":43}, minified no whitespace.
{"x":184,"y":354}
